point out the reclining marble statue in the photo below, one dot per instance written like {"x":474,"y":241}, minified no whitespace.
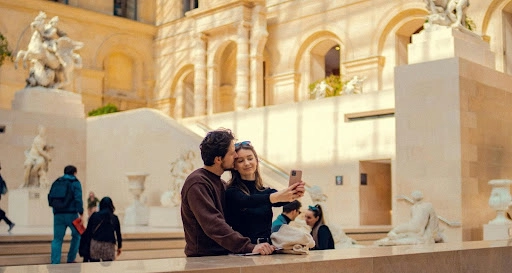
{"x":422,"y":228}
{"x":50,"y":53}
{"x":36,"y":162}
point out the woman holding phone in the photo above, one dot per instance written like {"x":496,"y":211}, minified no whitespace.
{"x":321,"y":233}
{"x":248,"y":203}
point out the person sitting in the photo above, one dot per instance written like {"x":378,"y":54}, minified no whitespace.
{"x":249,"y":204}
{"x":290,"y":212}
{"x":319,"y":231}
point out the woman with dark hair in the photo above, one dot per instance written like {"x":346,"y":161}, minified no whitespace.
{"x":248,"y":203}
{"x":314,"y":217}
{"x":104,"y":230}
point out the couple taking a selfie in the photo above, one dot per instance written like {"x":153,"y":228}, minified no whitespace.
{"x":236,"y":218}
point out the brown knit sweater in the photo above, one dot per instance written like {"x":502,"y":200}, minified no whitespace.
{"x":202,"y":213}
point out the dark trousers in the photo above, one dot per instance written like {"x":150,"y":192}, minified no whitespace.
{"x":3,"y":217}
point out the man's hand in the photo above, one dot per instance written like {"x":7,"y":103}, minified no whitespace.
{"x":264,"y":249}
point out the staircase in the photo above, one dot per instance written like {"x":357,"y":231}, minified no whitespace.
{"x":28,"y":249}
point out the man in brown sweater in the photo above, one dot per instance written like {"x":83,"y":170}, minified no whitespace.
{"x":203,"y":205}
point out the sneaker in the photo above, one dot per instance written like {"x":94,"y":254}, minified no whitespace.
{"x":10,"y":227}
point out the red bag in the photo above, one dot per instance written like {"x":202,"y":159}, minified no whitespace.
{"x":79,"y":225}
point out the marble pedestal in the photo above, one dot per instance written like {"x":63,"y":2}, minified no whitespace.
{"x":448,"y":42}
{"x":165,"y":217}
{"x":136,"y":215}
{"x":49,"y":101}
{"x":29,"y":207}
{"x":494,"y":232}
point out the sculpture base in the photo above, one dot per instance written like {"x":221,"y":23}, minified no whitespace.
{"x":29,"y":207}
{"x":448,"y":42}
{"x":165,"y":217}
{"x":494,"y":232}
{"x":49,"y":101}
{"x":136,"y":215}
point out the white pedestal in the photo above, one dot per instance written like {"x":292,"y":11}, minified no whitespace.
{"x":136,"y":215}
{"x":49,"y":101}
{"x":447,"y":43}
{"x":29,"y":207}
{"x":165,"y":217}
{"x":496,"y":232}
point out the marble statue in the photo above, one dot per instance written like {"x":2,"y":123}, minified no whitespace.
{"x":422,"y":228}
{"x":316,"y":193}
{"x":180,"y":169}
{"x":354,"y":85}
{"x":320,"y":90}
{"x":36,"y":162}
{"x":50,"y":53}
{"x":450,"y":13}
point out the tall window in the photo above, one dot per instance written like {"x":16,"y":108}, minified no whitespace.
{"x":190,"y":5}
{"x":126,"y":8}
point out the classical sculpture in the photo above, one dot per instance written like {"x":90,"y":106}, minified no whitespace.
{"x":450,"y":13}
{"x":320,"y":90}
{"x":422,"y":228}
{"x":36,"y":162}
{"x":180,"y":169}
{"x":50,"y":53}
{"x":354,"y":85}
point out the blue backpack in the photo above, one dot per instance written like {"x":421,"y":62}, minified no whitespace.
{"x":60,"y":195}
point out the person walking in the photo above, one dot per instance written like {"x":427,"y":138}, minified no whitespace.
{"x":3,"y":216}
{"x":92,"y":204}
{"x":104,"y":230}
{"x":65,"y":198}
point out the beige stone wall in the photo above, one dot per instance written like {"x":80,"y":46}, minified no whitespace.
{"x":486,"y":126}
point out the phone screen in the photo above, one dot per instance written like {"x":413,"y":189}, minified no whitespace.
{"x":295,"y":176}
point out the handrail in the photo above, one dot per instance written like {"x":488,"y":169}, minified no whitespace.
{"x":444,"y":220}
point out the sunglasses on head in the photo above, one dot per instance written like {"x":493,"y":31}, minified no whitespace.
{"x":313,"y":208}
{"x":245,"y":143}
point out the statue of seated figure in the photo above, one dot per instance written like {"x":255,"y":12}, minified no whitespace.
{"x":422,"y":228}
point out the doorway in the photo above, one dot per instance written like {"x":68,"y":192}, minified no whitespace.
{"x":375,"y":192}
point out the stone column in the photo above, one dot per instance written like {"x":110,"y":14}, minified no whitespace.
{"x":200,"y":75}
{"x":242,"y":63}
{"x":259,"y":36}
{"x":211,"y":86}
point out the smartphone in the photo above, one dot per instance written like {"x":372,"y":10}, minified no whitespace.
{"x":295,"y":176}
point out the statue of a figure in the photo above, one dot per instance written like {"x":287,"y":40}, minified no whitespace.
{"x":50,"y":53}
{"x":447,"y":13}
{"x":36,"y":162}
{"x":355,"y":85}
{"x":320,"y":90}
{"x":180,"y":169}
{"x":422,"y":228}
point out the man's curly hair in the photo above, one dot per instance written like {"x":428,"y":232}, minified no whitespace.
{"x":215,"y":143}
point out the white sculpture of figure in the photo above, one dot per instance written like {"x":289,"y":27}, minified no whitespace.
{"x":422,"y":228}
{"x":180,"y":169}
{"x":51,"y":54}
{"x":355,"y":85}
{"x":36,"y":162}
{"x":317,"y":196}
{"x":320,"y":90}
{"x":450,"y":13}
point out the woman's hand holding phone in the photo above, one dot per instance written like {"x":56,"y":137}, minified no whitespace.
{"x":289,"y":194}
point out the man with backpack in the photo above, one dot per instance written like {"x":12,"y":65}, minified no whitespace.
{"x":65,"y":197}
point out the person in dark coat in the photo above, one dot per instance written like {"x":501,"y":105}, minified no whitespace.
{"x":319,"y":230}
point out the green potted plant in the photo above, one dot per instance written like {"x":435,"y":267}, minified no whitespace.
{"x":4,"y":49}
